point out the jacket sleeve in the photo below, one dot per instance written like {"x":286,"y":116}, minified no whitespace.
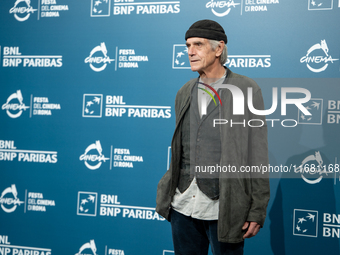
{"x":163,"y":199}
{"x":258,"y":156}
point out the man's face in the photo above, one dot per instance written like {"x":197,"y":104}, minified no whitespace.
{"x":201,"y":56}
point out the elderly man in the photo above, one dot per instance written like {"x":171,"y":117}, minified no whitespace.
{"x":206,"y":194}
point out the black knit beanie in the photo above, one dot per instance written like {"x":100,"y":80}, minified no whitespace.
{"x":208,"y":29}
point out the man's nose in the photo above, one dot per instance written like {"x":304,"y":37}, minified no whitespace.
{"x":191,"y":51}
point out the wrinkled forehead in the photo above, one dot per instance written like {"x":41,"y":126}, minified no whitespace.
{"x":192,"y":40}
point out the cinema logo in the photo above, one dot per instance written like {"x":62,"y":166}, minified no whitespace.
{"x":98,"y":58}
{"x":22,"y":10}
{"x":124,"y":58}
{"x":9,"y":199}
{"x":8,"y":152}
{"x":88,"y":248}
{"x":110,"y":206}
{"x":14,"y":105}
{"x":6,"y":248}
{"x":306,"y":224}
{"x":93,"y":154}
{"x":311,"y":165}
{"x":34,"y":201}
{"x":119,"y":157}
{"x":317,"y":58}
{"x":221,"y":8}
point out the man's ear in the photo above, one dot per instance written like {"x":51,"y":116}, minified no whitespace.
{"x":219,"y":49}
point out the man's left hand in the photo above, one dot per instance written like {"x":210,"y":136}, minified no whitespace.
{"x":253,"y":229}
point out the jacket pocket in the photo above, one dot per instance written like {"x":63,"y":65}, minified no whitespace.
{"x":163,"y":198}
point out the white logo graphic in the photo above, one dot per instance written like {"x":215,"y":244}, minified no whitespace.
{"x":100,"y":8}
{"x":166,"y":252}
{"x":42,"y":106}
{"x":36,"y":202}
{"x":8,"y":248}
{"x":11,"y":202}
{"x":223,"y":7}
{"x":20,"y":10}
{"x":90,"y":245}
{"x":305,"y":223}
{"x":116,"y":107}
{"x":8,"y":152}
{"x":92,"y":105}
{"x":333,"y":112}
{"x":318,"y":60}
{"x":91,"y":157}
{"x":87,"y":203}
{"x":12,"y":57}
{"x":320,"y":5}
{"x":15,"y":106}
{"x":309,"y":170}
{"x":180,"y":58}
{"x":99,"y":61}
{"x":128,"y":7}
{"x":314,"y":106}
{"x":248,"y":61}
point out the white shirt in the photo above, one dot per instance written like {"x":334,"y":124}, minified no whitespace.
{"x":193,"y":202}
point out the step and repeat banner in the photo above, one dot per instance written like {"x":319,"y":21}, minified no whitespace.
{"x":87,"y":116}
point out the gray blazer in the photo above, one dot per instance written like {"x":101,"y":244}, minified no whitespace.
{"x":244,"y":196}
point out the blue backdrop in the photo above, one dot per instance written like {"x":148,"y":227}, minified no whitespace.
{"x":87,"y":115}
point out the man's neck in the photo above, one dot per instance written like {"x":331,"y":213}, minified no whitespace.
{"x":213,"y":75}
